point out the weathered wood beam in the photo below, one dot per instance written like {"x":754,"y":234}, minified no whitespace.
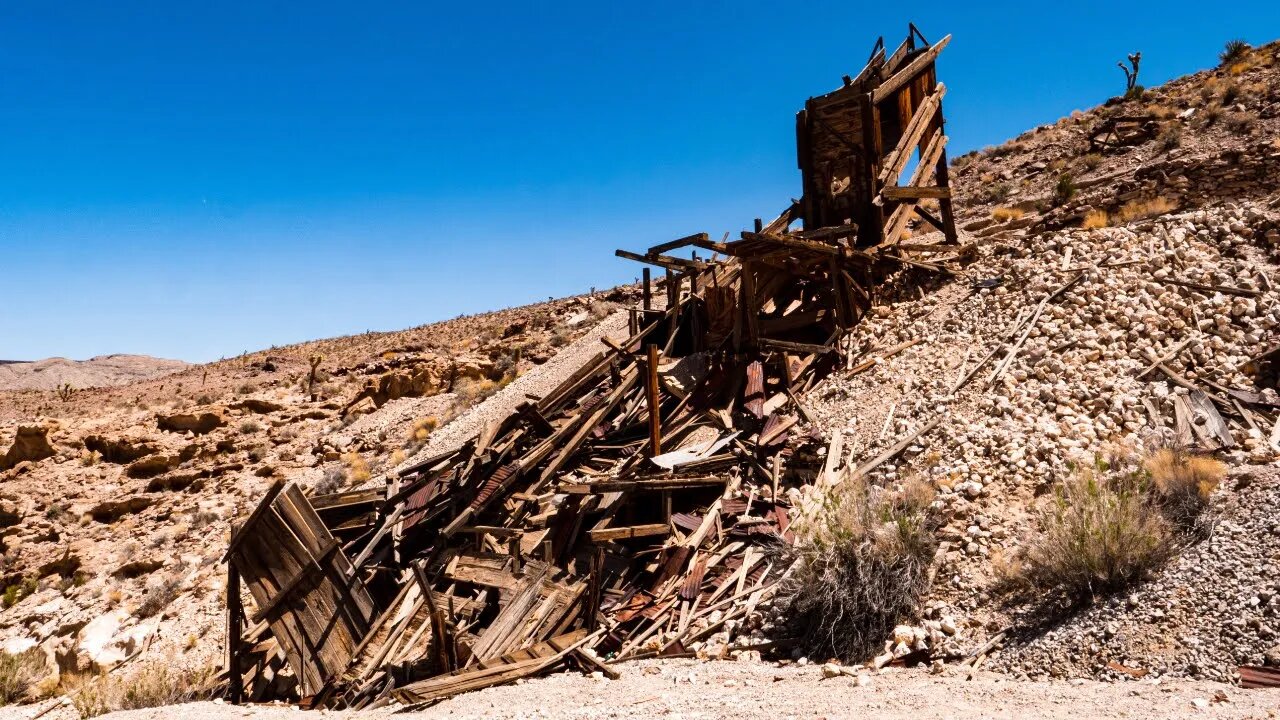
{"x":915,"y":193}
{"x":626,"y":533}
{"x":900,"y":79}
{"x":921,"y":121}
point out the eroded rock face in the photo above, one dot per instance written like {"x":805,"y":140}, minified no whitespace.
{"x":151,"y":466}
{"x":260,"y":407}
{"x":119,"y":451}
{"x":112,"y":510}
{"x":31,"y":443}
{"x":194,"y":422}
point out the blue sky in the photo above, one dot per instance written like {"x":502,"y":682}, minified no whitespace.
{"x":195,"y":180}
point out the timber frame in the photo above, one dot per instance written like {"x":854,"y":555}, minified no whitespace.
{"x":855,"y":143}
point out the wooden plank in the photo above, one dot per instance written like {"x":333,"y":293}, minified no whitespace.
{"x":626,"y":533}
{"x":915,"y":193}
{"x":920,"y":123}
{"x":654,"y":401}
{"x":900,"y":79}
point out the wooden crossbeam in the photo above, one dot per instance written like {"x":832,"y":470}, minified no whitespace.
{"x":625,"y":533}
{"x":915,"y":193}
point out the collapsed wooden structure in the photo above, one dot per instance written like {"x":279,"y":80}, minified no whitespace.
{"x":638,"y":507}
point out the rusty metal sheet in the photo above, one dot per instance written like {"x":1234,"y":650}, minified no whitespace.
{"x":1254,"y":677}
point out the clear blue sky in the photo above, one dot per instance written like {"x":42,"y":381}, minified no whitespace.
{"x":194,"y":180}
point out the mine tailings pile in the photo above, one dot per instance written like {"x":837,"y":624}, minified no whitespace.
{"x":639,"y":506}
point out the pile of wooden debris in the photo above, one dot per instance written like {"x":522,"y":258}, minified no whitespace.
{"x":612,"y":517}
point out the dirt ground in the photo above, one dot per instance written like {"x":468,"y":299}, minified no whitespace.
{"x":693,"y":689}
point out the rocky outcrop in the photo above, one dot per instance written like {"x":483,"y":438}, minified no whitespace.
{"x":30,"y":444}
{"x":118,"y":451}
{"x":198,"y":423}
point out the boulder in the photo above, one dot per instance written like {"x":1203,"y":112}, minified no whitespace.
{"x":31,"y":443}
{"x":151,"y":466}
{"x":112,"y":510}
{"x":10,"y":513}
{"x":193,"y":422}
{"x":260,"y":407}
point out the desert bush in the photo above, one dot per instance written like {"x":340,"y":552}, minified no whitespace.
{"x":357,"y":469}
{"x":1005,"y":214}
{"x":860,"y":568}
{"x":1169,"y":138}
{"x":1064,"y":189}
{"x":333,"y":480}
{"x":994,"y":192}
{"x":248,"y":427}
{"x":19,"y":674}
{"x":1100,"y":533}
{"x":1239,"y":122}
{"x":89,"y":458}
{"x":1095,"y":219}
{"x":1091,"y":160}
{"x":560,"y":337}
{"x":1211,"y":115}
{"x":423,"y":427}
{"x":154,"y":684}
{"x":14,"y":593}
{"x":1134,"y":93}
{"x":1183,"y":483}
{"x":469,"y":391}
{"x":1233,"y":52}
{"x":159,"y":594}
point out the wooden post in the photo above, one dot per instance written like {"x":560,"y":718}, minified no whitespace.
{"x":235,"y":632}
{"x":595,"y":587}
{"x":673,"y":289}
{"x":648,"y":291}
{"x":651,"y":394}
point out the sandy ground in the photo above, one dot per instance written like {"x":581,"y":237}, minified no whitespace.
{"x":692,"y":689}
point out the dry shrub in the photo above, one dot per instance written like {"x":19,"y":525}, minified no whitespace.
{"x":20,"y":673}
{"x":1095,"y":219}
{"x":159,"y":594}
{"x":1183,"y":483}
{"x":1091,"y":160}
{"x":1101,"y":532}
{"x":357,"y":469}
{"x":333,"y":480}
{"x":1139,"y":209}
{"x":1005,"y":214}
{"x":1239,"y":122}
{"x":860,"y":569}
{"x":1169,"y":138}
{"x":154,"y":684}
{"x":470,"y":392}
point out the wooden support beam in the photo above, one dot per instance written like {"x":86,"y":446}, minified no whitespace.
{"x":654,"y":402}
{"x":235,"y":637}
{"x":912,"y":134}
{"x":663,"y":261}
{"x":900,"y":79}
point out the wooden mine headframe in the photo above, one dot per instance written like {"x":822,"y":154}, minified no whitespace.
{"x":855,"y":144}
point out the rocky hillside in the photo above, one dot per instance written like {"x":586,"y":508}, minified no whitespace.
{"x":115,"y":502}
{"x":1123,"y":269}
{"x":101,"y":371}
{"x":1113,"y":289}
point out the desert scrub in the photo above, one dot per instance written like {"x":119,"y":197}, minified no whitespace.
{"x":1110,"y":525}
{"x":860,"y":567}
{"x":1233,"y":52}
{"x":159,"y":595}
{"x":154,"y":684}
{"x":1064,"y":189}
{"x":19,"y":674}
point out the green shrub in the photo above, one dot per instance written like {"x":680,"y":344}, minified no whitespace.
{"x":1101,"y":532}
{"x":1065,"y":189}
{"x":1234,"y":51}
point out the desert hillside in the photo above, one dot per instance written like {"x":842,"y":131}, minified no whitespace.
{"x":1116,"y":299}
{"x":71,"y":375}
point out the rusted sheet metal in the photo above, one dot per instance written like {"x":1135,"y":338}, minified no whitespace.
{"x":1254,"y":677}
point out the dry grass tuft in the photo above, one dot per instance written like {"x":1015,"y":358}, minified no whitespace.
{"x":357,"y":469}
{"x":470,"y":391}
{"x":1183,"y":484}
{"x":1095,"y":219}
{"x":1139,"y":209}
{"x":154,"y":684}
{"x":1005,"y":214}
{"x":861,"y":569}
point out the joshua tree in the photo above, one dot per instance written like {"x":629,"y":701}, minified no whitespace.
{"x":1132,"y":87}
{"x":311,"y":379}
